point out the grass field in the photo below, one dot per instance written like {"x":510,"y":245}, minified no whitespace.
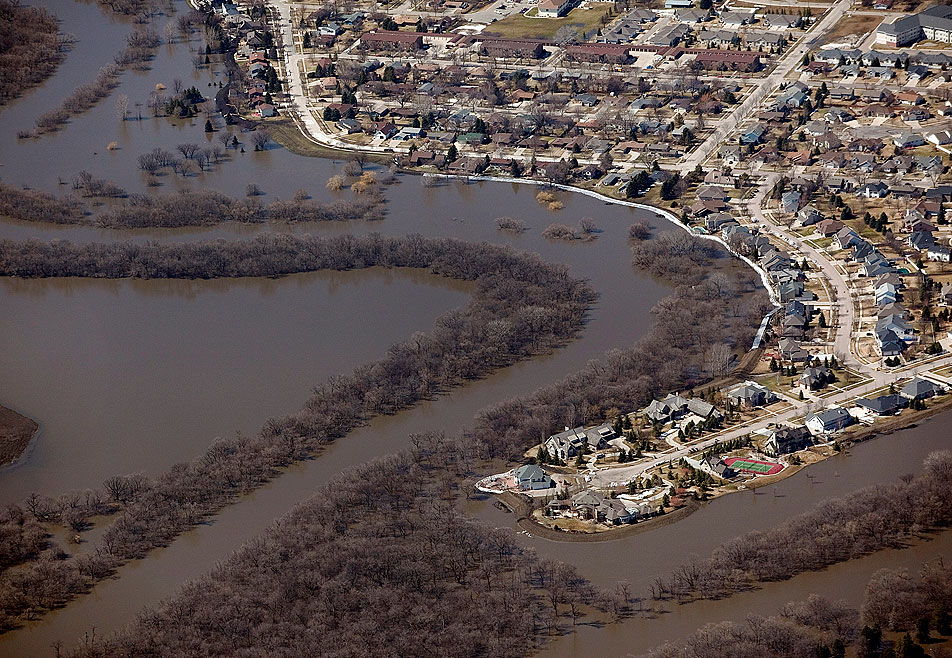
{"x":850,"y":26}
{"x":751,"y":466}
{"x":518,"y":26}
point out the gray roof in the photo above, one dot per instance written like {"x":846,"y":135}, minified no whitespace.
{"x":919,"y":388}
{"x":837,"y":416}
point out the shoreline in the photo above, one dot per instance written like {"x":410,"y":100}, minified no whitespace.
{"x":524,"y":521}
{"x":16,"y":433}
{"x":658,"y":211}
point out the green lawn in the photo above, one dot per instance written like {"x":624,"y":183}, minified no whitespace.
{"x":518,"y":26}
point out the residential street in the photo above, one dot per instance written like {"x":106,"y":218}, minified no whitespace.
{"x":766,"y":86}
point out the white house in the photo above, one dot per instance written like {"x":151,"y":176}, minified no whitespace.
{"x":828,"y":420}
{"x":553,"y":8}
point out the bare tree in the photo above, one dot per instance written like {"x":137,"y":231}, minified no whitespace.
{"x":260,"y":138}
{"x":188,"y":151}
{"x":202,"y":157}
{"x":122,"y":107}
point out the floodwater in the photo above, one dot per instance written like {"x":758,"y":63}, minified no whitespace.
{"x":131,"y":375}
{"x":127,"y":376}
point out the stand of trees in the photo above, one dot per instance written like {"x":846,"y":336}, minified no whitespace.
{"x":520,"y":306}
{"x":816,"y":627}
{"x":36,"y":206}
{"x":30,"y":47}
{"x":378,"y":562}
{"x":717,"y":305}
{"x":186,"y":208}
{"x":900,"y":601}
{"x":836,"y":530}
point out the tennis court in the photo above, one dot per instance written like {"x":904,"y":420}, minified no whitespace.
{"x":753,"y":466}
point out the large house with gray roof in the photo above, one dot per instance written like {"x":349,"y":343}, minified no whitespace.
{"x":573,"y":442}
{"x":531,"y":477}
{"x":935,"y":24}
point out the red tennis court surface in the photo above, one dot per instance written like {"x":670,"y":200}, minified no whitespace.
{"x":753,"y":466}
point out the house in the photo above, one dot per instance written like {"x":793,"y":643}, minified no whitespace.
{"x":407,"y":133}
{"x":383,"y":129}
{"x":939,"y":254}
{"x":675,"y":406}
{"x":719,"y":177}
{"x":267,"y":110}
{"x":920,"y":389}
{"x":842,"y":93}
{"x":945,"y":296}
{"x":873,"y":190}
{"x":791,"y":290}
{"x":808,"y":216}
{"x":754,"y":134}
{"x":889,"y":343}
{"x":910,"y":98}
{"x":593,"y":505}
{"x":781,"y":21}
{"x":790,"y":350}
{"x":790,"y":201}
{"x":813,"y":379}
{"x":892,"y":279}
{"x":920,"y":240}
{"x":891,"y":309}
{"x":828,"y":420}
{"x":846,"y":237}
{"x":883,"y":405}
{"x":712,"y":193}
{"x":553,"y":8}
{"x":712,"y":466}
{"x":784,"y":440}
{"x":350,"y":126}
{"x":688,"y":15}
{"x":750,"y":394}
{"x":422,"y":158}
{"x":573,"y":442}
{"x":829,"y":227}
{"x":908,"y":140}
{"x":385,"y":40}
{"x":531,"y":477}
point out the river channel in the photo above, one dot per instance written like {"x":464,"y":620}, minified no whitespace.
{"x":135,"y":375}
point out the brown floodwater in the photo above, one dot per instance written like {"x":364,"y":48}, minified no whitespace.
{"x":133,"y":375}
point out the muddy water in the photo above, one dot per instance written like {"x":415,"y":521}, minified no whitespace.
{"x":845,"y":581}
{"x":128,"y":376}
{"x":145,"y":373}
{"x":214,"y":339}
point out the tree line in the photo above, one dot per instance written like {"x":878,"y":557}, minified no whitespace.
{"x":185,"y":208}
{"x":139,"y":50}
{"x":30,"y":47}
{"x":755,"y":637}
{"x":916,"y":608}
{"x":520,"y":306}
{"x":35,"y":206}
{"x":835,"y":530}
